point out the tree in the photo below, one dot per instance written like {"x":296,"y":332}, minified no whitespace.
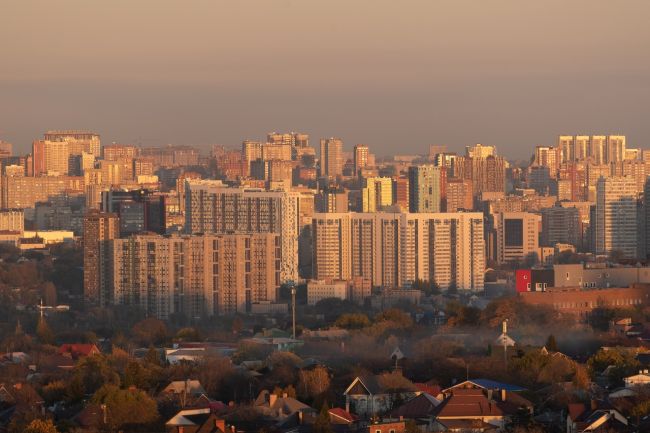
{"x":90,"y":374}
{"x":314,"y":382}
{"x":322,"y":423}
{"x":40,"y":426}
{"x":551,"y":344}
{"x":150,"y":331}
{"x":398,"y":317}
{"x":126,"y":407}
{"x":44,"y":333}
{"x":352,"y":321}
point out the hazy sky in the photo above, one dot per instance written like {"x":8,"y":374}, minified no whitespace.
{"x":397,"y":75}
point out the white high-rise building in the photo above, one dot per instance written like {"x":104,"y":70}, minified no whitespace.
{"x":616,"y":216}
{"x":396,"y":249}
{"x":212,"y":207}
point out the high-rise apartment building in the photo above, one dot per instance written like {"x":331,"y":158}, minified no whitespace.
{"x":561,"y":225}
{"x":50,"y":157}
{"x":480,"y":151}
{"x":79,"y":141}
{"x":212,"y":207}
{"x":616,"y":216}
{"x":599,"y":149}
{"x":360,"y":157}
{"x":23,"y":192}
{"x":98,"y":229}
{"x":426,"y":188}
{"x":396,"y":249}
{"x":331,"y":200}
{"x":517,"y":236}
{"x":331,"y":157}
{"x":459,"y":195}
{"x":195,"y":275}
{"x":115,"y":152}
{"x":139,"y":210}
{"x":547,"y":156}
{"x":401,"y":192}
{"x":377,"y":194}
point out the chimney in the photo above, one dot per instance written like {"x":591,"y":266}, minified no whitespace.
{"x":503,"y":395}
{"x":489,"y":394}
{"x":594,"y":404}
{"x":284,"y":395}
{"x":220,"y":424}
{"x":272,"y":399}
{"x":300,"y":417}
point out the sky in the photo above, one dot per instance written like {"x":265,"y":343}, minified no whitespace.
{"x":396,"y":75}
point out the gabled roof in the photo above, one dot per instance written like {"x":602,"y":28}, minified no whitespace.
{"x":342,"y":414}
{"x":486,"y":384}
{"x":187,"y":417}
{"x":418,"y":407}
{"x":470,"y":403}
{"x":79,"y":349}
{"x":191,"y":387}
{"x":370,"y":383}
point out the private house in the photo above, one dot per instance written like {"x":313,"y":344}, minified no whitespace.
{"x":369,"y":396}
{"x":195,"y":421}
{"x":76,"y":350}
{"x":582,"y":418}
{"x":279,"y":408}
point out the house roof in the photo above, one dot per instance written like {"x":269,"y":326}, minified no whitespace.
{"x":79,"y":349}
{"x":468,"y":403}
{"x":418,"y":407}
{"x":433,"y":390}
{"x":188,"y":417}
{"x":191,"y":387}
{"x":486,"y":384}
{"x":343,"y":414}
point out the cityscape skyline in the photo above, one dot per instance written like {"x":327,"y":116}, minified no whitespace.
{"x":388,"y":76}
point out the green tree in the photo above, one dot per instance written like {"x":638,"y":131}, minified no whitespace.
{"x":126,"y":407}
{"x":150,"y":331}
{"x":90,"y":374}
{"x":41,"y":426}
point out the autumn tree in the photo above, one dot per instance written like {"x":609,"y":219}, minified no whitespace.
{"x":150,"y":331}
{"x":41,"y":426}
{"x":91,"y":373}
{"x":126,"y":407}
{"x":313,"y":382}
{"x":352,"y":321}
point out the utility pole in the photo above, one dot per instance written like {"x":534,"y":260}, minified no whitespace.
{"x":293,"y":309}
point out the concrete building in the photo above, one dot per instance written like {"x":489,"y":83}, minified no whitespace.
{"x":12,"y":220}
{"x":98,"y":230}
{"x":561,"y":225}
{"x":600,"y":149}
{"x":426,"y":188}
{"x":79,"y":141}
{"x":458,"y":195}
{"x":198,"y":276}
{"x":212,"y":207}
{"x":517,"y":236}
{"x":317,"y":290}
{"x":396,"y":249}
{"x":22,"y":192}
{"x":331,"y":200}
{"x":377,"y":194}
{"x":331,"y":157}
{"x":401,"y":193}
{"x":361,"y":153}
{"x":616,"y":217}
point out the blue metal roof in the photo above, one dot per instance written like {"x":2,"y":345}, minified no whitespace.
{"x":493,"y":384}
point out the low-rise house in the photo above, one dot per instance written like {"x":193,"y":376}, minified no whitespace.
{"x":422,"y":406}
{"x":643,"y":378}
{"x":369,"y":396}
{"x":582,"y":418}
{"x":195,"y":421}
{"x":479,"y":405}
{"x":387,"y":427}
{"x":278,"y":407}
{"x":78,"y":350}
{"x":175,"y":356}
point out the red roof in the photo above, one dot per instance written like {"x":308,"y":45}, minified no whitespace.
{"x":469,"y":403}
{"x":432,"y":390}
{"x":341,"y":413}
{"x":576,"y":409}
{"x":77,"y":350}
